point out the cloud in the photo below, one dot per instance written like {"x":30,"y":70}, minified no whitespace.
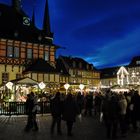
{"x":118,"y":52}
{"x":106,"y":29}
{"x":115,"y":26}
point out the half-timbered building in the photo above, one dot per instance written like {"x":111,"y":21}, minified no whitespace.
{"x":21,"y":42}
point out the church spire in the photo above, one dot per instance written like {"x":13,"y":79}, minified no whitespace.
{"x":46,"y":22}
{"x":16,"y":4}
{"x":33,"y":16}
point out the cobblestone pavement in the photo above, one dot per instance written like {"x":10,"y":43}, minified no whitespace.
{"x":12,"y":128}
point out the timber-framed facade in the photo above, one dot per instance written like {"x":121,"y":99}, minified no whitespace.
{"x":21,"y":42}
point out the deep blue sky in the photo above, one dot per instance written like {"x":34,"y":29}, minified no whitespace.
{"x":103,"y":32}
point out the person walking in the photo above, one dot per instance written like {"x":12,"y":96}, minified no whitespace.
{"x":31,"y":111}
{"x":97,"y":103}
{"x":110,"y":108}
{"x":88,"y":101}
{"x":80,"y":102}
{"x":135,"y":104}
{"x":122,"y":118}
{"x":56,"y":112}
{"x":70,"y":111}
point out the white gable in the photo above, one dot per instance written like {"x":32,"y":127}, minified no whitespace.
{"x":122,"y":70}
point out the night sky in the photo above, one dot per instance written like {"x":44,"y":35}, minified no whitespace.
{"x":103,"y":32}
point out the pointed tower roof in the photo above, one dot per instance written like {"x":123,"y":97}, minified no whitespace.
{"x":33,"y":16}
{"x":16,"y":4}
{"x":46,"y":22}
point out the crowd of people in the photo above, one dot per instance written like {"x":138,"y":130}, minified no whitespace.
{"x":119,"y":111}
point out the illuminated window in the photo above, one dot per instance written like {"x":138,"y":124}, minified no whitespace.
{"x":46,"y":55}
{"x":18,"y":75}
{"x":5,"y":77}
{"x":138,"y":62}
{"x":16,"y":52}
{"x":10,"y":51}
{"x":29,"y":53}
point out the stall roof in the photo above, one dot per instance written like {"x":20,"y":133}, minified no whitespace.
{"x":25,"y":80}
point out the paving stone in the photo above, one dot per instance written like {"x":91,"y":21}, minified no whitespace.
{"x":12,"y":128}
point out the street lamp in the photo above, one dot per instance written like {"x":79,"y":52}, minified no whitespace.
{"x":9,"y":85}
{"x":66,"y":86}
{"x":41,"y":86}
{"x":81,"y":86}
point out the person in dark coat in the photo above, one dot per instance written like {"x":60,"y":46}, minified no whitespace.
{"x":80,"y":102}
{"x":97,"y":103}
{"x":111,"y":110}
{"x":128,"y":116}
{"x":88,"y":101}
{"x":122,"y":119}
{"x":31,"y":111}
{"x":56,"y":112}
{"x":70,"y":111}
{"x":135,"y":103}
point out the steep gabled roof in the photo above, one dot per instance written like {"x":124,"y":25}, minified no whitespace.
{"x":40,"y":66}
{"x":60,"y":67}
{"x":134,"y":60}
{"x":109,"y":72}
{"x":70,"y":60}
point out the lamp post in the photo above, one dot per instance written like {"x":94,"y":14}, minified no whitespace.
{"x":81,"y":86}
{"x":66,"y":86}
